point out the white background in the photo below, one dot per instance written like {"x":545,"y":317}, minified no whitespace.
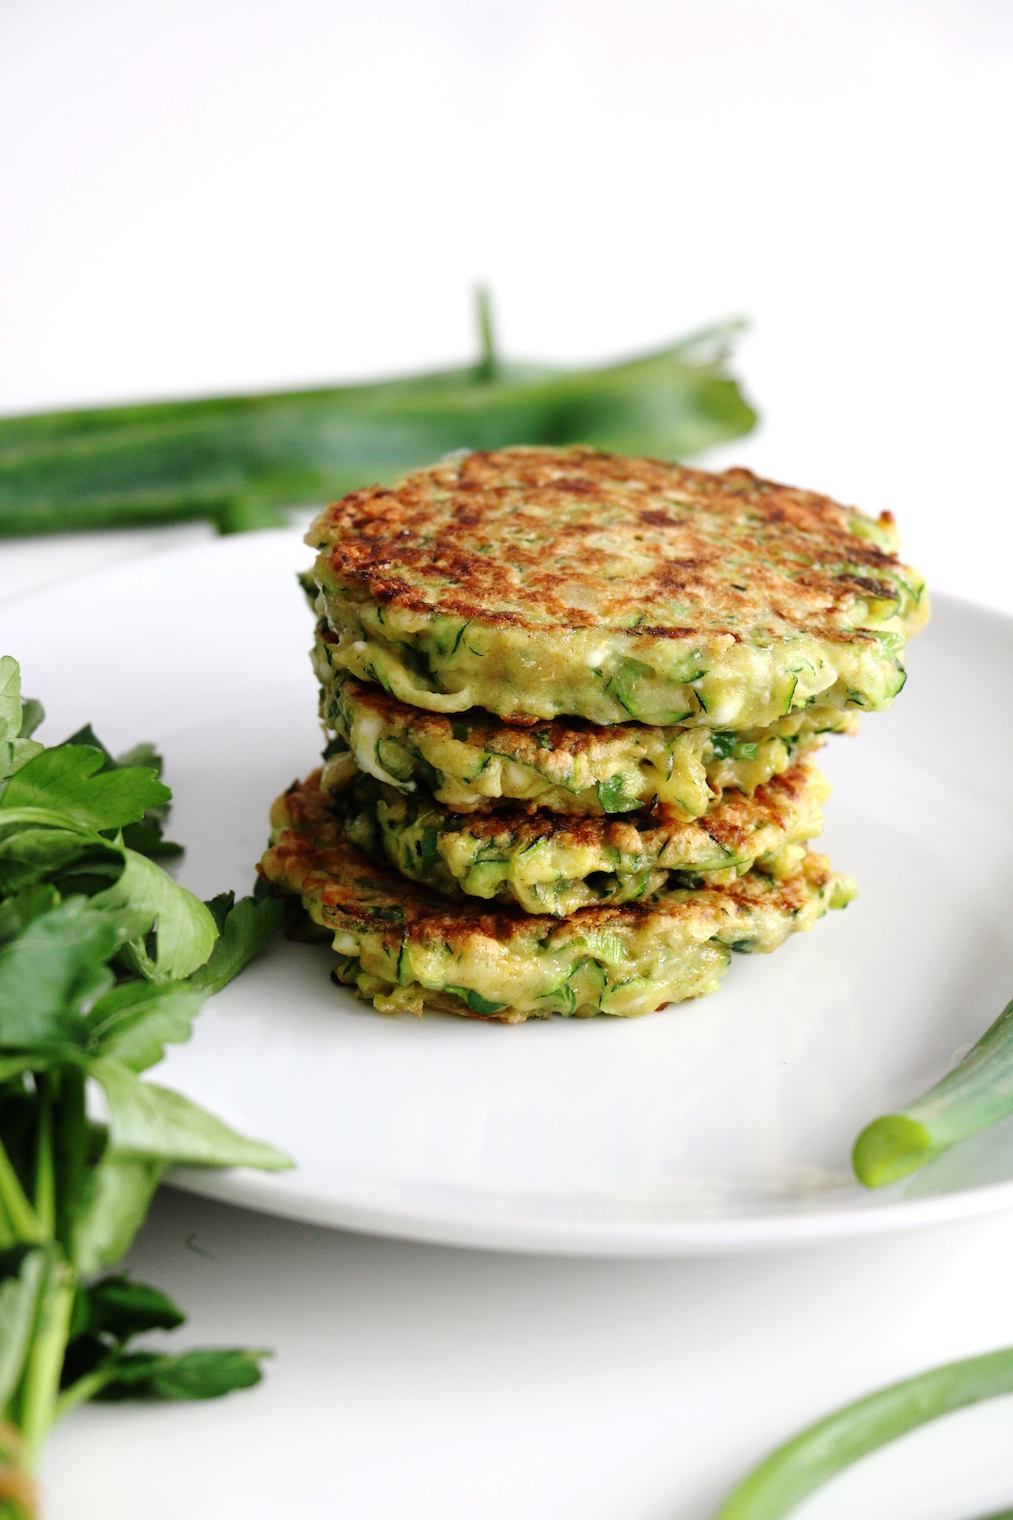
{"x":196,"y":196}
{"x":235,"y":193}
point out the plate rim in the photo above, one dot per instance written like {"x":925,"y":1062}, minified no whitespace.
{"x":613,"y":1238}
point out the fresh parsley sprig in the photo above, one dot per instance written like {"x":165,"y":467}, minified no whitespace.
{"x":104,"y":960}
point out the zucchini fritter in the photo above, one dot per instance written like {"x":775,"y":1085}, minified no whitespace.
{"x":405,"y":948}
{"x":557,"y":865}
{"x":537,"y":582}
{"x":564,"y":766}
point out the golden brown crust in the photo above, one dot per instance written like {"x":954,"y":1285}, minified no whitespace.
{"x":312,"y":857}
{"x":733,"y":821}
{"x":544,"y":538}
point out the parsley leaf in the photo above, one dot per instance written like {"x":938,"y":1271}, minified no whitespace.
{"x":192,"y":1375}
{"x":157,"y":1123}
{"x":108,"y":1315}
{"x":144,"y":836}
{"x":51,"y":972}
{"x":245,"y":930}
{"x":17,"y":720}
{"x":70,"y":779}
{"x":121,"y":1308}
{"x":134,"y":1022}
{"x":186,"y":930}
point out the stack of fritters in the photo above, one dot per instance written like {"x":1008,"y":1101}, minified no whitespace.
{"x":573,"y":700}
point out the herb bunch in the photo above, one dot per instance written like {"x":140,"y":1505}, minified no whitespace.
{"x":104,"y":960}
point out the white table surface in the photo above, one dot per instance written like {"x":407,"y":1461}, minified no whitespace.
{"x":207,"y":194}
{"x":423,"y":1382}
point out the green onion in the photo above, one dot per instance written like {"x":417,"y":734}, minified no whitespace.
{"x":237,"y":460}
{"x":815,"y":1456}
{"x":976,"y":1093}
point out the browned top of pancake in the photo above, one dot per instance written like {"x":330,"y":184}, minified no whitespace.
{"x":565,"y":538}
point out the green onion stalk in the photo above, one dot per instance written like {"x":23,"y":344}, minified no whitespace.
{"x":239,"y":461}
{"x":977,"y":1093}
{"x":803,"y":1464}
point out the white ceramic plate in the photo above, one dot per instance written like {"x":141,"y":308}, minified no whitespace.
{"x":718,"y":1125}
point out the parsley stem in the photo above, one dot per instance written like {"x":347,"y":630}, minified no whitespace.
{"x":45,"y":1178}
{"x":20,"y":1214}
{"x":41,"y":1385}
{"x":85,"y":1388}
{"x":976,"y":1093}
{"x":817,"y":1454}
{"x":70,"y":1151}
